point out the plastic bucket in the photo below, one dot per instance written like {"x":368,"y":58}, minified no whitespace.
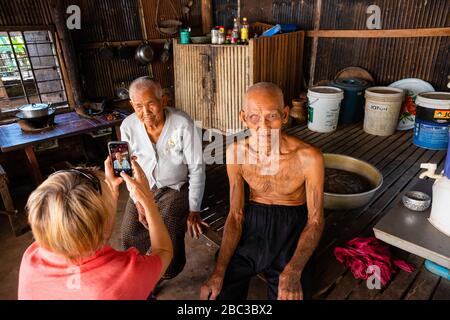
{"x":431,"y":128}
{"x":382,"y":110}
{"x":352,"y":107}
{"x":430,"y":135}
{"x":323,"y":108}
{"x":434,"y":107}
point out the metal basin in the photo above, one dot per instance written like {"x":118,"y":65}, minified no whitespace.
{"x":337,"y":201}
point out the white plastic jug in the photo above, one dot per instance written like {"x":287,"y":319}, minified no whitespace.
{"x":440,"y":210}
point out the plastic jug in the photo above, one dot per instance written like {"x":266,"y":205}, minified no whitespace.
{"x":440,"y":212}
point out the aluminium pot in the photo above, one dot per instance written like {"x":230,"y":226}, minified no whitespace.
{"x":336,"y":201}
{"x":145,"y":53}
{"x":36,"y":110}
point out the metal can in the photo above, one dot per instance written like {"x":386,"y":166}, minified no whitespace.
{"x":215,"y":36}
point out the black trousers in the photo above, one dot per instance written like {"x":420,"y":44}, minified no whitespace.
{"x":268,"y":241}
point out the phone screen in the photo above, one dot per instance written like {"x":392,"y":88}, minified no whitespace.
{"x":120,"y":157}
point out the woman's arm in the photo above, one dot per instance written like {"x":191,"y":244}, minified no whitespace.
{"x":159,"y":236}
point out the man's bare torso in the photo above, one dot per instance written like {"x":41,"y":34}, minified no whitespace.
{"x":286,"y":184}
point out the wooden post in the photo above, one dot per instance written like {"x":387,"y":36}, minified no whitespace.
{"x":207,"y":16}
{"x":69,"y":56}
{"x":33,"y":165}
{"x":315,"y":43}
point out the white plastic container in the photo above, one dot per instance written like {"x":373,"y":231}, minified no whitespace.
{"x":323,"y":108}
{"x":440,"y":210}
{"x":382,"y":110}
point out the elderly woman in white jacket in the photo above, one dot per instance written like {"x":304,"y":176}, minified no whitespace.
{"x":169,"y":150}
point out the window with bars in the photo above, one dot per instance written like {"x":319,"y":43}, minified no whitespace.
{"x":29,"y":71}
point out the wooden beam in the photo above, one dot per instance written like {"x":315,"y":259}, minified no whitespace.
{"x":70,"y":59}
{"x":130,"y":43}
{"x":33,"y":165}
{"x":142,"y":17}
{"x":64,"y":73}
{"x":315,"y":44}
{"x":207,"y":16}
{"x":27,"y":28}
{"x":392,"y":33}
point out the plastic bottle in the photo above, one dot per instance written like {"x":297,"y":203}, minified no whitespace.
{"x":228,"y":38}
{"x":235,"y":32}
{"x":441,"y":200}
{"x":244,"y":31}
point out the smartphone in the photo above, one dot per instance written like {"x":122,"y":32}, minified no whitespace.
{"x":120,"y":157}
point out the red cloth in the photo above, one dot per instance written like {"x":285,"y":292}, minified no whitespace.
{"x":108,"y":275}
{"x":360,"y":253}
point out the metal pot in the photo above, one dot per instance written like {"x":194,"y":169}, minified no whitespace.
{"x":36,"y":110}
{"x":144,"y":53}
{"x":107,"y":52}
{"x":165,"y":54}
{"x":356,"y":200}
{"x":122,"y":93}
{"x":124,"y":52}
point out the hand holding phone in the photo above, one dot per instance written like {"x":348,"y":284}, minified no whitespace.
{"x":119,"y":152}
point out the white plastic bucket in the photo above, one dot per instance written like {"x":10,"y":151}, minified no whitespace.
{"x":323,"y":108}
{"x":382,"y":110}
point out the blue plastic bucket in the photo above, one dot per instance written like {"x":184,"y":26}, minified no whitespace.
{"x":430,"y":135}
{"x":431,"y":130}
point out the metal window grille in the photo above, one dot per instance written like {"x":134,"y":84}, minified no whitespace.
{"x":29,"y":70}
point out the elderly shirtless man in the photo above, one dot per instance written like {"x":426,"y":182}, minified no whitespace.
{"x":276,"y":232}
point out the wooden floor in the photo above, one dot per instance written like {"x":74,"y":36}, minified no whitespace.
{"x":399,"y":161}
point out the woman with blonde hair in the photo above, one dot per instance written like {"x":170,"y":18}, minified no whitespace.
{"x":72,"y":217}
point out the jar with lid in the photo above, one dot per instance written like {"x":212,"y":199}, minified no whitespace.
{"x":215,"y":35}
{"x":221,"y":39}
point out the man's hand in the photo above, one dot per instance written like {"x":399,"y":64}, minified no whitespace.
{"x":211,"y":288}
{"x":289,"y":285}
{"x":194,"y":224}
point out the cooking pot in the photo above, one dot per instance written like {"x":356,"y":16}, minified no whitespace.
{"x":339,"y":201}
{"x":36,"y":110}
{"x":107,"y":52}
{"x":165,"y":54}
{"x":144,"y":53}
{"x":124,"y":51}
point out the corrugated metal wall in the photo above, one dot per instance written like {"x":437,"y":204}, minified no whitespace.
{"x":193,"y":81}
{"x":300,"y":12}
{"x":107,"y":20}
{"x":284,"y":51}
{"x":387,"y":59}
{"x":24,"y":12}
{"x":224,"y":12}
{"x":231,"y":69}
{"x":395,"y":14}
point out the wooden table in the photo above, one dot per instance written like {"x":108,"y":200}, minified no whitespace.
{"x":67,"y":124}
{"x":412,"y":232}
